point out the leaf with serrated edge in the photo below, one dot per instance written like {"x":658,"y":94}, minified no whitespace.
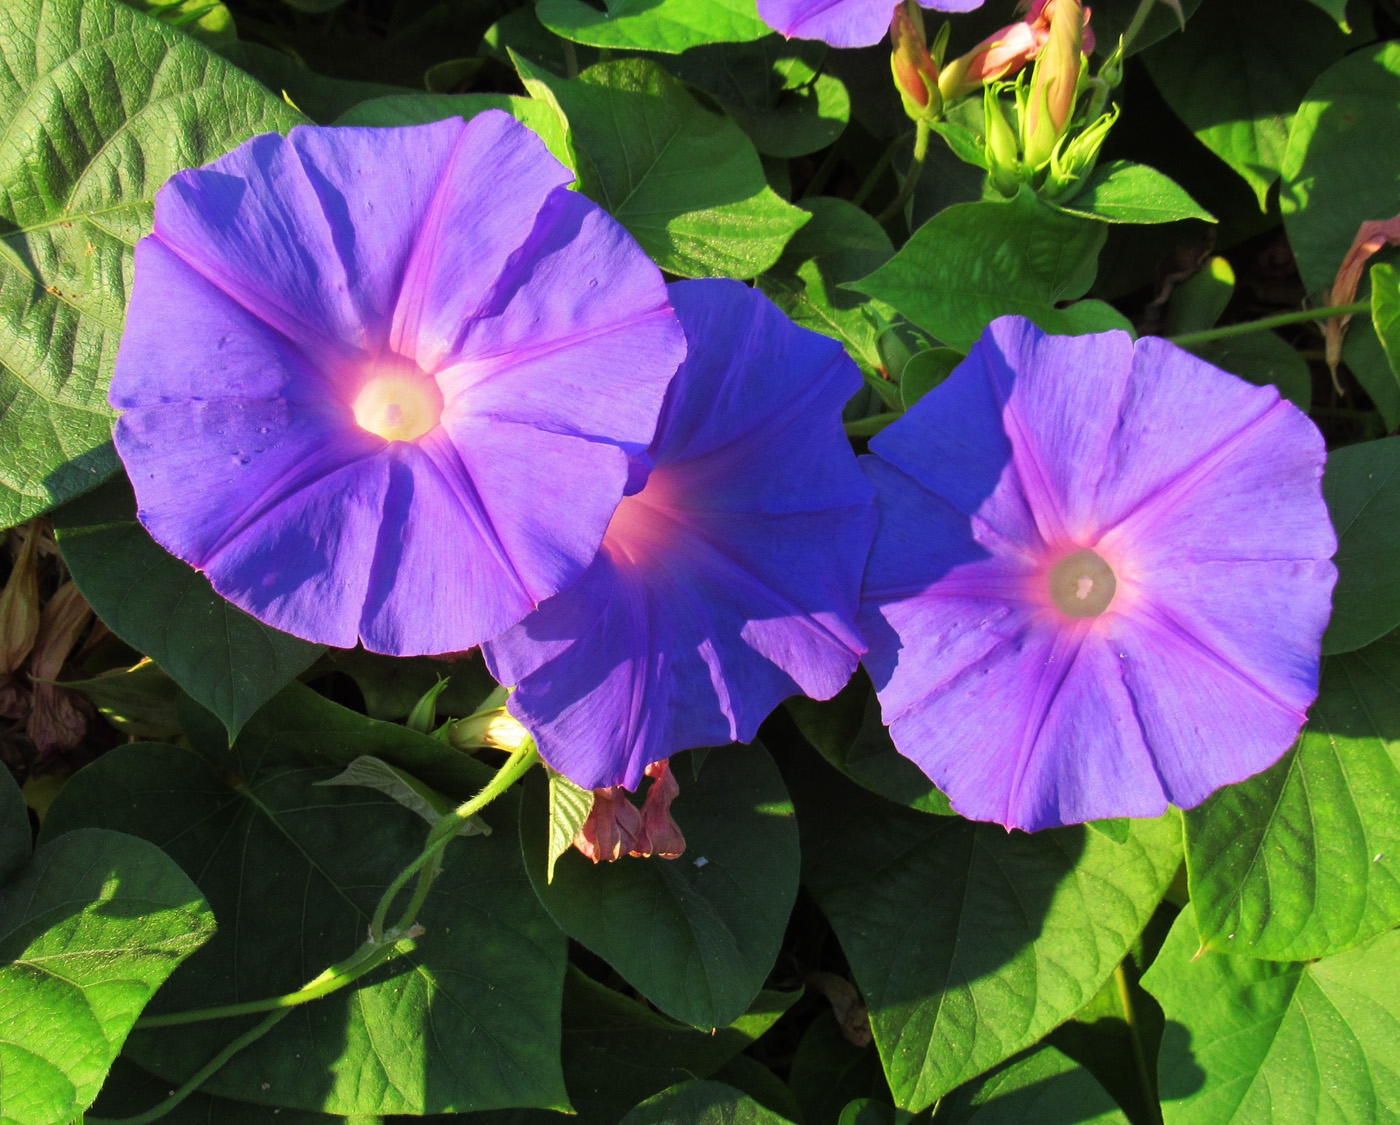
{"x":99,"y":107}
{"x":1251,"y":1041}
{"x":1303,"y":860}
{"x":88,"y":932}
{"x":969,"y":942}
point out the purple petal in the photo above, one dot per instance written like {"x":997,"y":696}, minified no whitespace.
{"x":203,"y":471}
{"x":572,"y":338}
{"x":1203,"y":495}
{"x":480,"y":231}
{"x":303,"y":564}
{"x":1176,"y":417}
{"x":843,"y":23}
{"x":176,"y":321}
{"x":284,"y":277}
{"x":1209,"y":722}
{"x":730,"y":580}
{"x":311,"y":232}
{"x":956,"y":447}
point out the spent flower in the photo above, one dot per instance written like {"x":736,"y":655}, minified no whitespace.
{"x":1100,"y":580}
{"x":357,"y":364}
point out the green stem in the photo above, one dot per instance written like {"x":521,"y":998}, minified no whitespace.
{"x":1277,"y":321}
{"x":1125,"y":997}
{"x":369,"y":956}
{"x":911,"y":180}
{"x":381,"y":946}
{"x":201,"y":1075}
{"x":444,"y":831}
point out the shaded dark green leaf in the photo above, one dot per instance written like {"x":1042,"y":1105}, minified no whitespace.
{"x":696,"y":935}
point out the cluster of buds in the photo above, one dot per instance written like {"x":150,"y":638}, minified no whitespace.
{"x":1052,"y":145}
{"x":926,"y":86}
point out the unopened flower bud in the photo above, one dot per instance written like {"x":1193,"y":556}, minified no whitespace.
{"x":1002,"y":152}
{"x":1002,"y":54}
{"x":914,"y":70}
{"x":1054,"y":84}
{"x":497,"y":729}
{"x":1073,"y":159}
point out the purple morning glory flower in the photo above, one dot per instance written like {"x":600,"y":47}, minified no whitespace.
{"x":1100,"y":580}
{"x":843,"y":23}
{"x":384,"y":383}
{"x":729,"y":578}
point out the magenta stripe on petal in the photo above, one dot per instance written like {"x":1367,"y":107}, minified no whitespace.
{"x":730,"y":575}
{"x":1199,"y":496}
{"x":383,"y":384}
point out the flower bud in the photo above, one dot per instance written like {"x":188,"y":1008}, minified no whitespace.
{"x":1054,"y":84}
{"x":496,"y":728}
{"x":1002,"y":54}
{"x":1073,"y":159}
{"x":914,"y":70}
{"x":1002,"y":152}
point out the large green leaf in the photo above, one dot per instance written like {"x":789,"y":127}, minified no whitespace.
{"x":775,"y":91}
{"x":1251,"y":1041}
{"x":1304,"y":859}
{"x":839,"y":243}
{"x":701,"y":1103}
{"x":1238,"y":73}
{"x":1045,"y":1087}
{"x":696,"y":935}
{"x":616,"y":1052}
{"x":100,"y":105}
{"x":969,"y":942}
{"x":685,"y":182}
{"x":1362,"y":486}
{"x":88,"y":932}
{"x":1342,"y":165}
{"x":468,"y":1020}
{"x":228,"y":661}
{"x":670,"y":26}
{"x":1124,"y":192}
{"x":973,"y":262}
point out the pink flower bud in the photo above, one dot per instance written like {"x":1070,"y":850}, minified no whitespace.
{"x":1004,"y":53}
{"x":1054,"y":82}
{"x":915,"y":72}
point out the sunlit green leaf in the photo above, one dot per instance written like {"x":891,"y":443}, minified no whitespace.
{"x":1303,"y":860}
{"x":101,"y":105}
{"x":1252,"y":1041}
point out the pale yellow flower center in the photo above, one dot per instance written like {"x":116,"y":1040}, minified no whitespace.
{"x":399,"y":403}
{"x":1082,"y":584}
